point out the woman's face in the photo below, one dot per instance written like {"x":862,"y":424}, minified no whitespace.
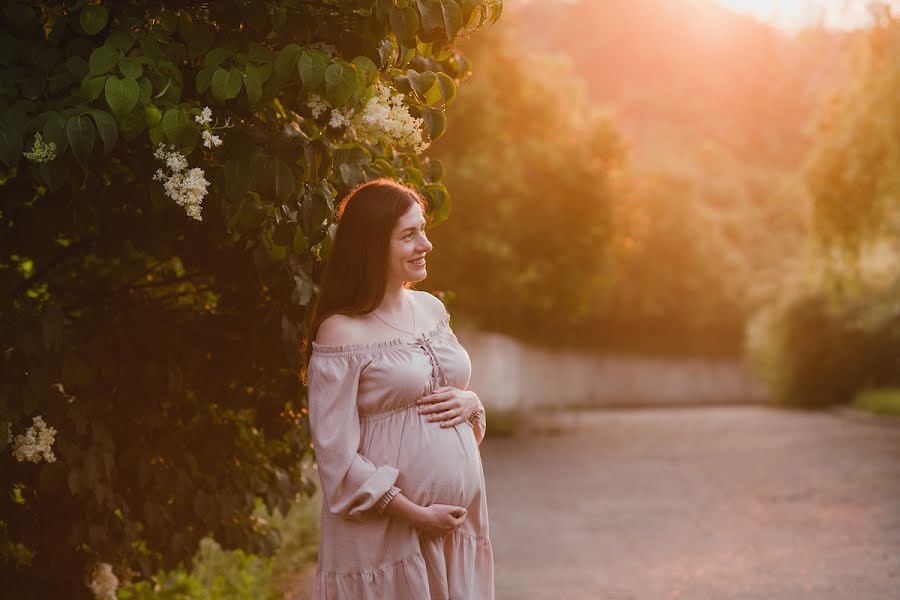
{"x":406,"y":254}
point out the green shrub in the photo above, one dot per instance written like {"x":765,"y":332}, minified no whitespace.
{"x":880,"y":401}
{"x":218,"y":574}
{"x":813,"y":351}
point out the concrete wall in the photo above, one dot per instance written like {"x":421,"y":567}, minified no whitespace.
{"x":508,"y":374}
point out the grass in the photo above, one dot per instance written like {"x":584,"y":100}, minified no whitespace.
{"x":885,"y":401}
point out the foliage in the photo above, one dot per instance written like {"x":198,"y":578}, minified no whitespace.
{"x":219,"y":574}
{"x":854,"y":174}
{"x":532,"y":167}
{"x":163,"y":349}
{"x":579,"y":247}
{"x":682,"y":268}
{"x":879,"y":401}
{"x":813,"y":351}
{"x":838,"y":335}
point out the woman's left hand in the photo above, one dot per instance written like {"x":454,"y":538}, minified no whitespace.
{"x":450,"y":405}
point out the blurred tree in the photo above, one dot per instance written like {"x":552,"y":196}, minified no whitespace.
{"x":532,"y":166}
{"x":157,"y":257}
{"x":854,"y":173}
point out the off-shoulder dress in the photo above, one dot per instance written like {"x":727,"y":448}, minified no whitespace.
{"x":370,"y":443}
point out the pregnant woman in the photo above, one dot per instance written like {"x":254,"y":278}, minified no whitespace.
{"x":395,"y":432}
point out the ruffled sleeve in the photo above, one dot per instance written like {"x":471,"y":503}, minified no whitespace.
{"x":351,"y":483}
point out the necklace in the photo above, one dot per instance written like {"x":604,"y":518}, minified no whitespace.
{"x":413,"y":332}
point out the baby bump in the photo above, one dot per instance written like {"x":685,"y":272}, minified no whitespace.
{"x":438,"y":465}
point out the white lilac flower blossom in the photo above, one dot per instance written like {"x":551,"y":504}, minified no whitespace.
{"x":36,"y":443}
{"x":318,"y":105}
{"x":104,"y":582}
{"x":41,"y":151}
{"x":205,"y":116}
{"x":340,"y":119}
{"x":386,"y":118}
{"x":210,"y":140}
{"x":186,"y":187}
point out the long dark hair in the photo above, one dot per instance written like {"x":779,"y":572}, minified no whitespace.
{"x":355,"y":276}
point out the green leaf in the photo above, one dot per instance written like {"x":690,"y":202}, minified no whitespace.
{"x":425,"y":85}
{"x":107,"y":128}
{"x":383,"y":168}
{"x":286,"y":62}
{"x":238,"y":178}
{"x":351,"y":174}
{"x":435,"y":122}
{"x":145,"y":88}
{"x":275,"y":180}
{"x":121,"y":94}
{"x":152,"y":116}
{"x":93,"y":18}
{"x":432,"y":17}
{"x":203,"y":79}
{"x":253,"y":84}
{"x":80,"y":133}
{"x":340,"y":82}
{"x":226,"y":84}
{"x":404,"y":25}
{"x":439,"y":199}
{"x":130,"y":68}
{"x":447,"y":86}
{"x":299,"y":244}
{"x":179,"y":128}
{"x":157,"y":134}
{"x":10,"y":146}
{"x":132,"y":124}
{"x":453,"y":20}
{"x":414,"y":176}
{"x":434,"y":170}
{"x":123,"y":40}
{"x":54,"y":173}
{"x":103,"y":59}
{"x":215,"y":57}
{"x":55,"y":131}
{"x":368,"y":68}
{"x":312,"y":65}
{"x":92,"y":87}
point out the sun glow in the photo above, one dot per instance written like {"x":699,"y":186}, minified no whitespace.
{"x":793,"y":15}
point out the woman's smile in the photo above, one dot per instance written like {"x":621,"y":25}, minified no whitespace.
{"x":419,"y":262}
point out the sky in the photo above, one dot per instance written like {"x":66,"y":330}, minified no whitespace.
{"x":793,"y":15}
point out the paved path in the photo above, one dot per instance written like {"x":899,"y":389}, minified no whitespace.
{"x":699,"y":503}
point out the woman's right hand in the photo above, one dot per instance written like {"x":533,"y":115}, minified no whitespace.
{"x":439,"y":519}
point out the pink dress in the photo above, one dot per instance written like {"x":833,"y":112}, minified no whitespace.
{"x":370,"y":443}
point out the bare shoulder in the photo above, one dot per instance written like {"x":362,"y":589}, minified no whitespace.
{"x":339,"y":329}
{"x":431,"y":303}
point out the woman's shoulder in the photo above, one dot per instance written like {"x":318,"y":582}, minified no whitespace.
{"x":431,"y":303}
{"x":340,"y":329}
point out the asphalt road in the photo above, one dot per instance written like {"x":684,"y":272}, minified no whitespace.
{"x":697,"y":503}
